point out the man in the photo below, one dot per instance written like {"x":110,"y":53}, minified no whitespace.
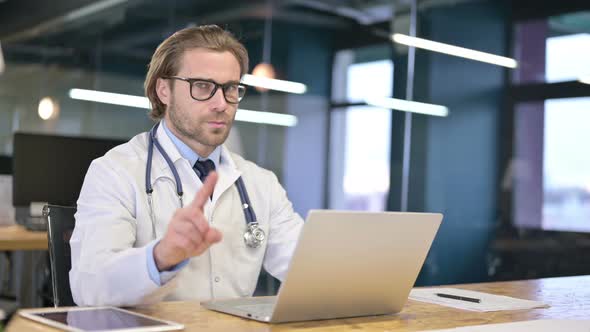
{"x":174,"y":236}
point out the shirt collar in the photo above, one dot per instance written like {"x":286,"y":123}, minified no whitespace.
{"x":187,"y":153}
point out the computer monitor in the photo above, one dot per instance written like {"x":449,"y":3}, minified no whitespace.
{"x":5,"y":165}
{"x":51,"y":169}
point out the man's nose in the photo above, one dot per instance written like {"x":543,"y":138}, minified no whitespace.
{"x":218,"y":100}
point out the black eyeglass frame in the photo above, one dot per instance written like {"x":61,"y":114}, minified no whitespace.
{"x":190,"y":82}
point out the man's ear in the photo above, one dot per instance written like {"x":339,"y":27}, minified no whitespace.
{"x":163,"y":91}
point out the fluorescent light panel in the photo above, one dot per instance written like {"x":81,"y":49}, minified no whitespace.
{"x":408,"y":106}
{"x":277,"y":119}
{"x":110,"y":98}
{"x":142,"y":102}
{"x":454,"y":50}
{"x":2,"y":65}
{"x":274,"y":84}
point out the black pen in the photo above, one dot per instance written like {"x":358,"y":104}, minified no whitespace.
{"x":457,"y":297}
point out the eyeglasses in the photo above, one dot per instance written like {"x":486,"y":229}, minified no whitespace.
{"x":202,"y":89}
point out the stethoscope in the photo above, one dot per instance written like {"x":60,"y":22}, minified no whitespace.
{"x":253,"y":236}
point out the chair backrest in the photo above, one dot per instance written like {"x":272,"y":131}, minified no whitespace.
{"x":60,"y":225}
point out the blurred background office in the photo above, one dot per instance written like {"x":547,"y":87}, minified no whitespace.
{"x":495,"y":139}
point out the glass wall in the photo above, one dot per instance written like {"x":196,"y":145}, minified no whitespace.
{"x":566,"y":171}
{"x":551,"y":175}
{"x":360,"y":136}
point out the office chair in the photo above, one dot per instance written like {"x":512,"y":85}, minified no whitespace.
{"x":60,"y":221}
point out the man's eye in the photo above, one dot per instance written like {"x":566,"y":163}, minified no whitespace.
{"x":202,"y":85}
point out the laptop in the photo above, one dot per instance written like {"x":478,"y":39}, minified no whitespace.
{"x":345,"y":264}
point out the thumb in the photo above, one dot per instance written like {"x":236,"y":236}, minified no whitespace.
{"x":213,"y":235}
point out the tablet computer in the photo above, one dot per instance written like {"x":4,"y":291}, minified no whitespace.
{"x":98,"y":319}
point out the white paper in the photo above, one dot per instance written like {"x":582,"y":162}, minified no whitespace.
{"x":541,"y":325}
{"x":488,"y":302}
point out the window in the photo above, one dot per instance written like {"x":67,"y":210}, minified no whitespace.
{"x":360,"y":139}
{"x":551,"y":169}
{"x":567,"y":57}
{"x":566,"y":165}
{"x":554,"y":49}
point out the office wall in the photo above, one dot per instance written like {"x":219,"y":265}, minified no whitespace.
{"x":300,"y":54}
{"x":310,"y":61}
{"x":454,"y":165}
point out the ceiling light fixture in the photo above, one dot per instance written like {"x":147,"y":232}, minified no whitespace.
{"x":48,"y":108}
{"x":265,"y":68}
{"x":454,"y":50}
{"x":408,"y":106}
{"x":263,"y":77}
{"x":110,"y":98}
{"x":277,"y":119}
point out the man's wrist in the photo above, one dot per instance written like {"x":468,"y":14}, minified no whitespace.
{"x":161,"y":277}
{"x":161,"y":265}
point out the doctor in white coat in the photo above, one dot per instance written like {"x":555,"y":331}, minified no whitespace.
{"x":131,"y":248}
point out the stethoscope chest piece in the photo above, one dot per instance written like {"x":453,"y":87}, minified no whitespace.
{"x":254,"y":235}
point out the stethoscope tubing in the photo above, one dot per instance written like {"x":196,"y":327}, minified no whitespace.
{"x":153,"y":141}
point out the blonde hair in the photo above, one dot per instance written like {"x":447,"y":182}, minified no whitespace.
{"x":166,"y":59}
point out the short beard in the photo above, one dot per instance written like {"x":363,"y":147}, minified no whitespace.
{"x":193,"y":131}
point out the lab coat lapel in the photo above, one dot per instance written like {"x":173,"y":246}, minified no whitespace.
{"x":169,"y":147}
{"x":228,"y":173}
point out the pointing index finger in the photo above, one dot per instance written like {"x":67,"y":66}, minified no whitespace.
{"x":206,"y":191}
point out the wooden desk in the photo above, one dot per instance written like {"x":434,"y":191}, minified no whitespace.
{"x":27,"y":261}
{"x":16,"y":237}
{"x":569,"y":298}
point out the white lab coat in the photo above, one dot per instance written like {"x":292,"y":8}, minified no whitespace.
{"x":113,"y":226}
